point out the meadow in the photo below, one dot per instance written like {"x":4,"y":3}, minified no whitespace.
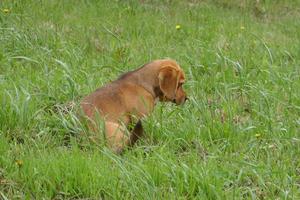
{"x":236,"y":138}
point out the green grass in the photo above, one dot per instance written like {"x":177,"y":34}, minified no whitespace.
{"x":237,"y":137}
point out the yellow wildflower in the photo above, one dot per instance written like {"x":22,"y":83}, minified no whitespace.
{"x":19,"y":163}
{"x":6,"y":10}
{"x":257,"y":135}
{"x":178,"y":27}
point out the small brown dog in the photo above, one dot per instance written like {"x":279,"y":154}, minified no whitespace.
{"x":132,"y":96}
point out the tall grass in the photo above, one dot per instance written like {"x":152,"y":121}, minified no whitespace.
{"x":236,"y":138}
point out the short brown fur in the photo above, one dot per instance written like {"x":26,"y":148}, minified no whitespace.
{"x":131,"y":97}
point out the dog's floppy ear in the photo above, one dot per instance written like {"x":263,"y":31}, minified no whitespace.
{"x":168,"y":81}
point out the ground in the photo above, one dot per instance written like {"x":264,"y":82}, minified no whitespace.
{"x":236,"y":137}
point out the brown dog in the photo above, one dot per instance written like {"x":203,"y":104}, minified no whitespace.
{"x":132,"y":96}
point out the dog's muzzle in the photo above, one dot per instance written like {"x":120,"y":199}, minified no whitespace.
{"x":181,"y":102}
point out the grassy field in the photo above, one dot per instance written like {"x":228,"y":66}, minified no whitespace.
{"x":238,"y":137}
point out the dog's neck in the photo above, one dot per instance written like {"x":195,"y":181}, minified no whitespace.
{"x":147,"y":78}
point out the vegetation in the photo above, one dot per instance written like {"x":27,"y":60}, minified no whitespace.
{"x":237,"y":136}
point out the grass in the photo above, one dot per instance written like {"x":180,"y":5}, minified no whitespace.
{"x":237,"y":137}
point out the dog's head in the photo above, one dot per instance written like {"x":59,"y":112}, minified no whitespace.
{"x":171,"y":79}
